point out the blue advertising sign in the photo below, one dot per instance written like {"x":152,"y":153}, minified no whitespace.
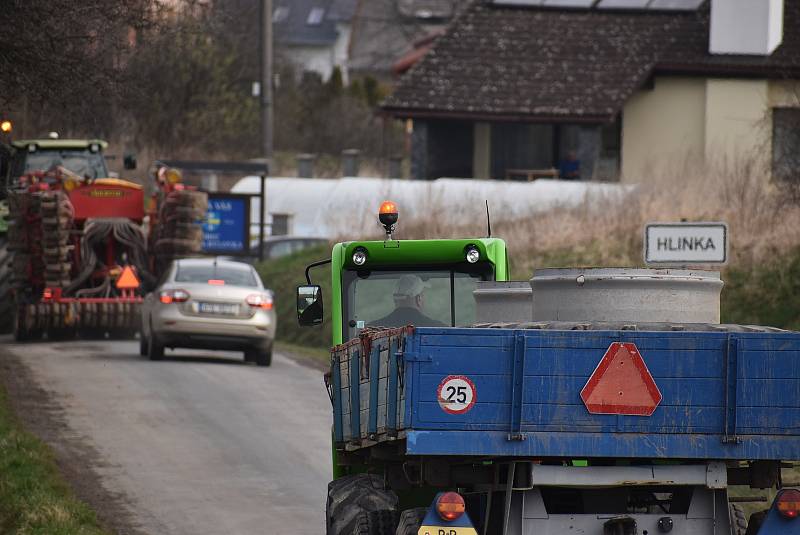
{"x":226,"y":229}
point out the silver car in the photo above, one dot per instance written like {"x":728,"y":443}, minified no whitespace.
{"x":208,"y":303}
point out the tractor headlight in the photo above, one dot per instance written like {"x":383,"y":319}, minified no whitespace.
{"x":360,"y":257}
{"x":473,"y":255}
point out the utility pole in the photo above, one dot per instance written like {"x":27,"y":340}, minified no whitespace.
{"x":266,"y":112}
{"x":266,"y":79}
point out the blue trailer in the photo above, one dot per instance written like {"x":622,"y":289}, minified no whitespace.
{"x":630,"y":423}
{"x":501,"y":415}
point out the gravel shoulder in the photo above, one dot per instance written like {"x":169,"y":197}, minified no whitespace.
{"x":199,"y":443}
{"x":77,"y":460}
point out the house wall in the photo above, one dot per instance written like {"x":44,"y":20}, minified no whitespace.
{"x":317,"y":59}
{"x":736,"y":119}
{"x":322,"y":59}
{"x":663,"y":125}
{"x":683,"y":122}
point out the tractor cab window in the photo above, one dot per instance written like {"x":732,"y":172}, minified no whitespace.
{"x":423,"y":298}
{"x":82,"y":162}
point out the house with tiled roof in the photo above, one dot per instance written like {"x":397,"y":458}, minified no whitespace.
{"x":627,"y":86}
{"x":314,"y":35}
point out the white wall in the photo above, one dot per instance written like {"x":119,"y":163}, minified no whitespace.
{"x":347,"y":207}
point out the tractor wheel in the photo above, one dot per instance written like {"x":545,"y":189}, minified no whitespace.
{"x":350,"y":496}
{"x":6,"y":299}
{"x":382,"y":522}
{"x":756,"y":520}
{"x":411,"y":520}
{"x":738,"y":520}
{"x":21,"y":333}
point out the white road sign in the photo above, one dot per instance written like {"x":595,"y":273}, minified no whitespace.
{"x":686,"y":243}
{"x":456,"y":394}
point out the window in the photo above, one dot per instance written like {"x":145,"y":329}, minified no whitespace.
{"x":280,"y":14}
{"x":315,"y":16}
{"x":786,"y":144}
{"x":371,"y":298}
{"x":84,"y":163}
{"x":202,"y":273}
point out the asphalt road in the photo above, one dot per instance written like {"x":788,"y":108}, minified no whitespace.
{"x":198,"y":443}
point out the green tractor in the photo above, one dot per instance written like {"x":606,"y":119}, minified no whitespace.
{"x":393,"y":283}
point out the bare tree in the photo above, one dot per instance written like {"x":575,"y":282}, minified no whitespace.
{"x":61,"y":59}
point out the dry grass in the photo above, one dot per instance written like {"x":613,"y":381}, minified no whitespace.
{"x":763,"y":220}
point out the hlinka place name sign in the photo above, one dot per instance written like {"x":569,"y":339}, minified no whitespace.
{"x":686,"y":243}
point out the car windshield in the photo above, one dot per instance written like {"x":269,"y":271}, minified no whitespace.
{"x":202,"y":273}
{"x":82,"y":162}
{"x":436,"y":297}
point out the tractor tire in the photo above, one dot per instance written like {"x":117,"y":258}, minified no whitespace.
{"x":6,"y":298}
{"x":411,"y":520}
{"x":350,"y":496}
{"x":756,"y":520}
{"x":738,"y":519}
{"x":383,"y":522}
{"x":20,"y":330}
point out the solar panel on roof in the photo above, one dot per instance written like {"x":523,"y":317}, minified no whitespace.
{"x":569,"y":3}
{"x":519,"y":2}
{"x":623,"y":4}
{"x":688,"y":5}
{"x":674,"y":5}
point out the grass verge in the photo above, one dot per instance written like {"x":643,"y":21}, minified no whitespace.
{"x":282,"y":276}
{"x":34,"y":499}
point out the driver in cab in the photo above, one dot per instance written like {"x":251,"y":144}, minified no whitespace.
{"x":409,"y":302}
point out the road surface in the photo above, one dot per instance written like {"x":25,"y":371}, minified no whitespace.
{"x":198,"y":443}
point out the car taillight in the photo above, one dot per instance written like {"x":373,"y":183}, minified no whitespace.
{"x":788,"y":503}
{"x":450,"y":506}
{"x":263,"y":301}
{"x":216,"y":282}
{"x":173,"y":296}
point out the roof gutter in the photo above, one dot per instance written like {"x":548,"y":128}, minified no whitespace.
{"x":411,"y":113}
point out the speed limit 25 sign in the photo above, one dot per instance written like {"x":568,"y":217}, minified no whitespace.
{"x":456,"y":394}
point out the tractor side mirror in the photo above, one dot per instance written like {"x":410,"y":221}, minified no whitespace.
{"x":129,"y":161}
{"x":309,"y":305}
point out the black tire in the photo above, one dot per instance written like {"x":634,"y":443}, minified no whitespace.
{"x":738,"y":520}
{"x":756,"y":520}
{"x":143,"y":345}
{"x":264,"y":357}
{"x":21,"y":333}
{"x":411,"y":520}
{"x":350,"y":496}
{"x":6,"y":299}
{"x":382,"y":522}
{"x":155,"y":349}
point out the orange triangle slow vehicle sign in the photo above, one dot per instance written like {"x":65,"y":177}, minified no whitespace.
{"x":621,"y":384}
{"x":127,"y":279}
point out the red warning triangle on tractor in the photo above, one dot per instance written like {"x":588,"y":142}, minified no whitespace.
{"x":127,"y":279}
{"x":621,"y":384}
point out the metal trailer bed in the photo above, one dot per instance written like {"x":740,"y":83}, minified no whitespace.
{"x":728,"y":393}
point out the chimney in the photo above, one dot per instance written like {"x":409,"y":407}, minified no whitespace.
{"x":750,"y":27}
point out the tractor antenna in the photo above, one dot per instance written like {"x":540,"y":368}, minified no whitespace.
{"x":488,"y":221}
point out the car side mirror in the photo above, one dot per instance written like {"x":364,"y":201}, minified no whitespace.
{"x":129,"y":161}
{"x":309,"y":305}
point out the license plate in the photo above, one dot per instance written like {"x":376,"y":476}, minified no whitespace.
{"x":218,"y":308}
{"x":436,"y":530}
